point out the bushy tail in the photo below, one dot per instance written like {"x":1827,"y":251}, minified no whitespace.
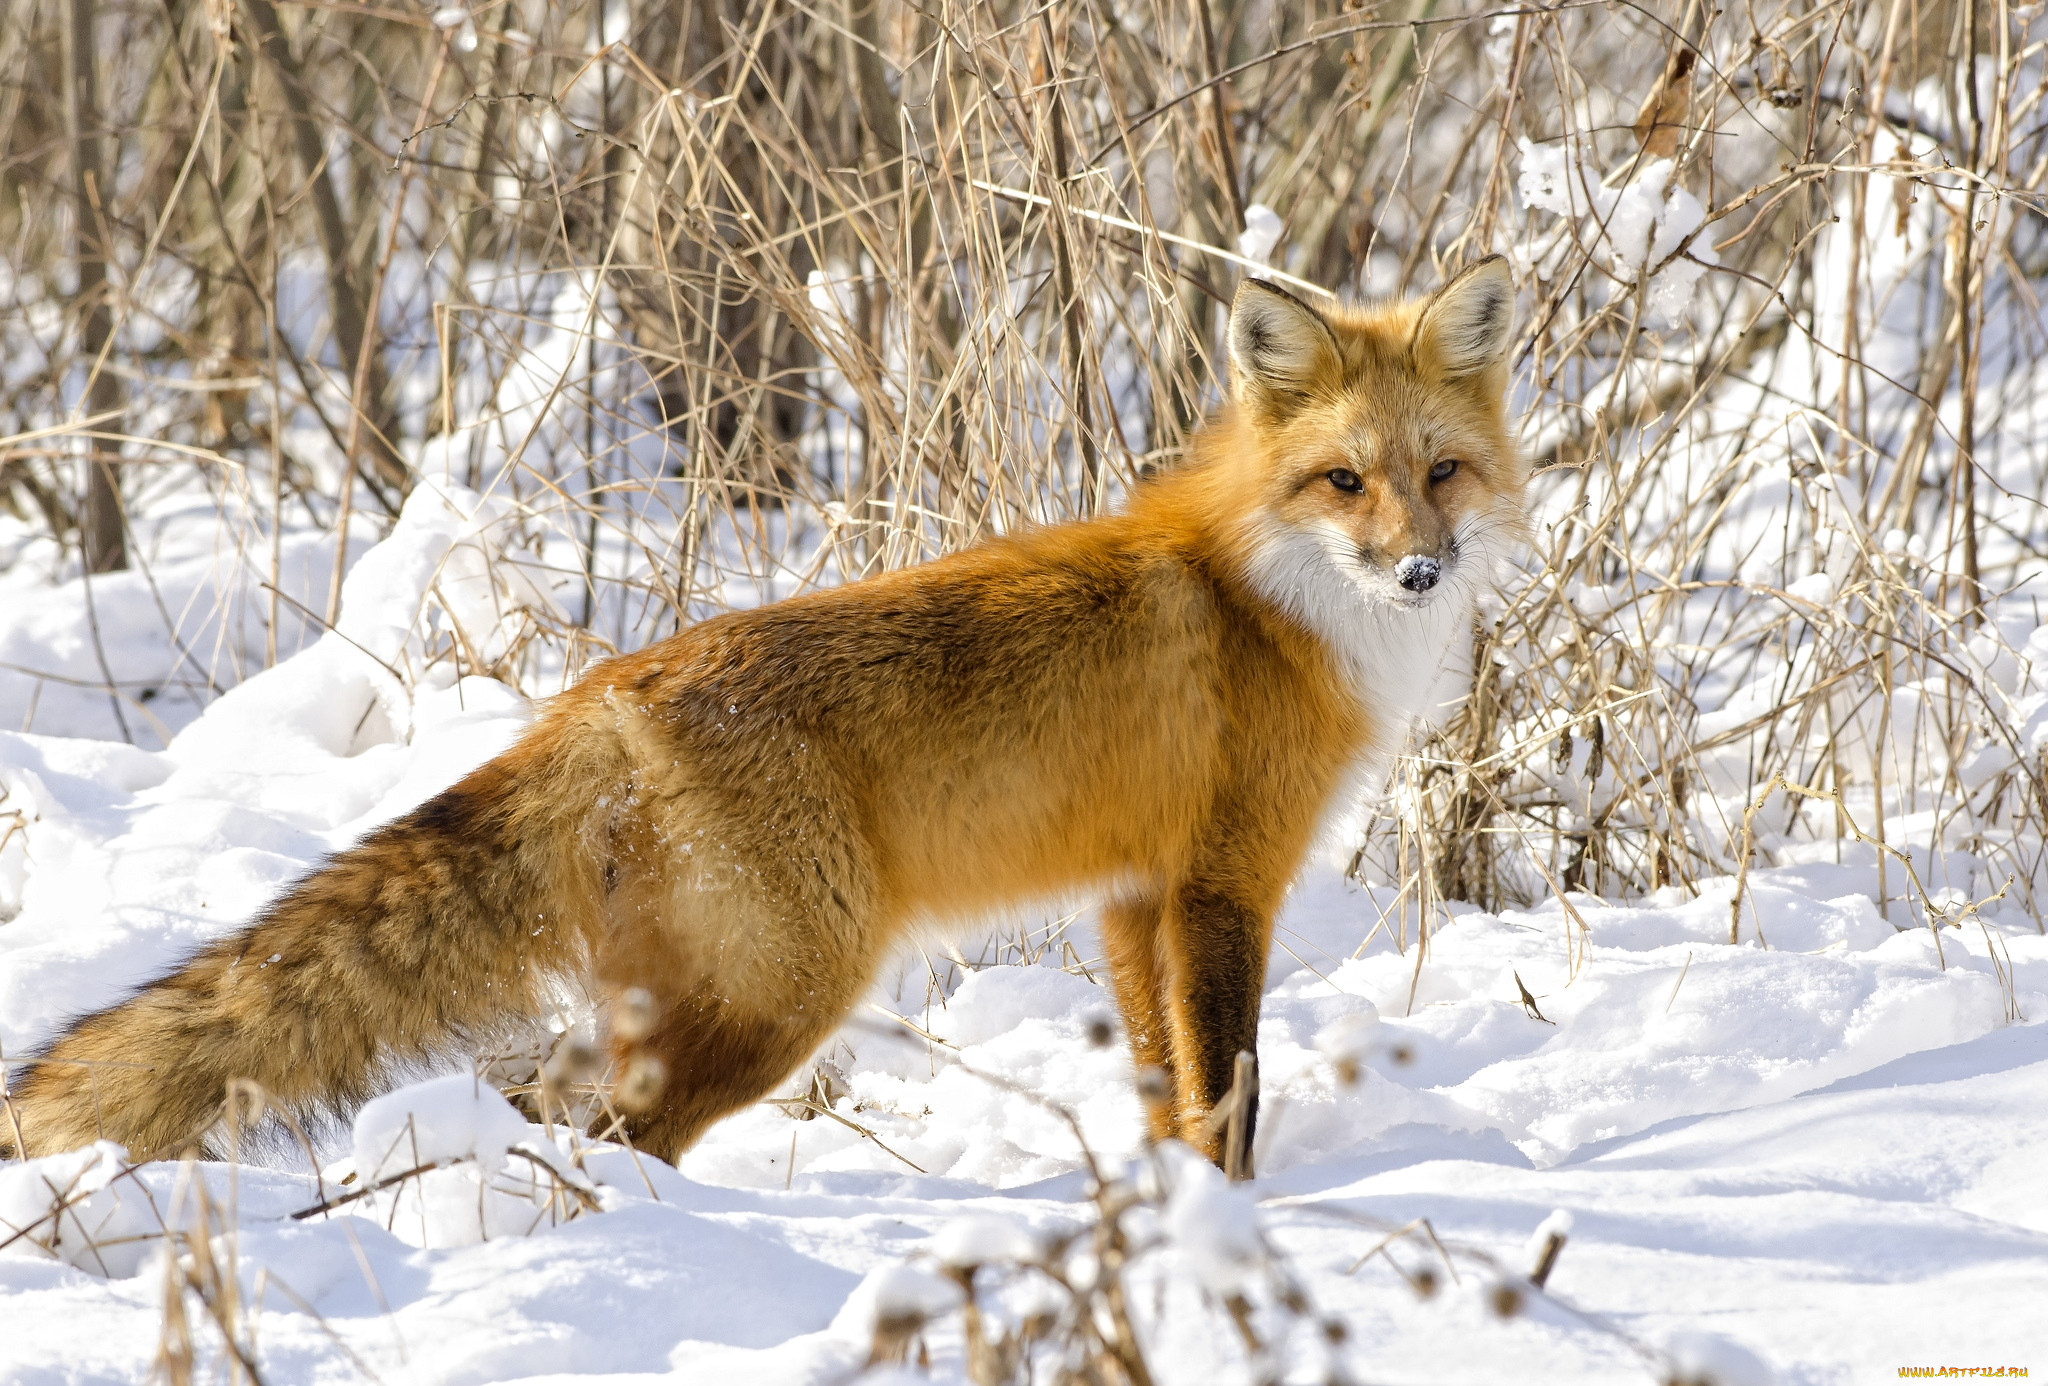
{"x":433,"y":932}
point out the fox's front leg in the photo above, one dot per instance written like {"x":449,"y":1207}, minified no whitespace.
{"x":1216,"y":938}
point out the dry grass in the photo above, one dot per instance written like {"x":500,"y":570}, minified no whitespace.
{"x":739,"y":297}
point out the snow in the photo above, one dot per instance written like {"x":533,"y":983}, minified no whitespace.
{"x":898,"y":1292}
{"x":1811,"y":1155}
{"x":980,"y":1239}
{"x":78,"y":1208}
{"x":442,"y":1119}
{"x":1212,"y":1225}
{"x":1815,"y":589}
{"x":1262,"y":231}
{"x":435,"y":1162}
{"x":1646,"y":227}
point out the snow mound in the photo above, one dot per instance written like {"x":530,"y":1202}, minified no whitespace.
{"x":451,"y":1162}
{"x":79,"y":1208}
{"x":983,"y":1239}
{"x":435,"y":1122}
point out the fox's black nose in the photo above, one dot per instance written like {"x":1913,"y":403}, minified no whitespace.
{"x":1417,"y":573}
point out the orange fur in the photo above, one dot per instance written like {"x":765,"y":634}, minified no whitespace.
{"x":1158,"y":706}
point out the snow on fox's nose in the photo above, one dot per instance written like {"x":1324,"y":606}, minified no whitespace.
{"x":1417,"y":572}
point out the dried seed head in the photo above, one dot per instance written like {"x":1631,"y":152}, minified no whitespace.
{"x":641,"y":1084}
{"x":829,"y":1084}
{"x":634,"y":1015}
{"x":1403,"y":1054}
{"x":1545,"y":1244}
{"x":245,"y":1104}
{"x":1504,"y":1299}
{"x":1334,"y":1331}
{"x":1154,"y":1088}
{"x":893,"y":1336}
{"x":1425,"y":1283}
{"x":907,"y":1298}
{"x":1348,"y":1040}
{"x":574,"y":1061}
{"x":1100,"y":1032}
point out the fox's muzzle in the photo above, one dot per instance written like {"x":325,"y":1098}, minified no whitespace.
{"x":1418,"y":572}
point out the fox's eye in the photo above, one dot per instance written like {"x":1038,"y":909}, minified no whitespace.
{"x":1442,"y":470}
{"x":1345,"y":479}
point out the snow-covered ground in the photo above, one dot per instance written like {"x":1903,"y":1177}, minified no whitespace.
{"x":1817,"y":1156}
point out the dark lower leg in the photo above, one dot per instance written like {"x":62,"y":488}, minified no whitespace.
{"x":1219,"y":952}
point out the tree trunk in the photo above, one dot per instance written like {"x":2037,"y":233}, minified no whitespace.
{"x":345,"y":294}
{"x":100,"y":533}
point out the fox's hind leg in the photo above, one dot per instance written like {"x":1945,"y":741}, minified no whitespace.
{"x":1131,"y":936}
{"x":715,"y":1057}
{"x":751,"y":956}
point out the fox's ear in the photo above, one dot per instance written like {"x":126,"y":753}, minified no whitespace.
{"x":1469,"y":323}
{"x":1277,"y":343}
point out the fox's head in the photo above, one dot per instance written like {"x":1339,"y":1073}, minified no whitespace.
{"x":1376,"y":443}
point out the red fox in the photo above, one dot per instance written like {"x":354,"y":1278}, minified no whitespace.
{"x":1158,"y":706}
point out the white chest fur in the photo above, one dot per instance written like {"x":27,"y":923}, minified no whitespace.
{"x":1398,"y":653}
